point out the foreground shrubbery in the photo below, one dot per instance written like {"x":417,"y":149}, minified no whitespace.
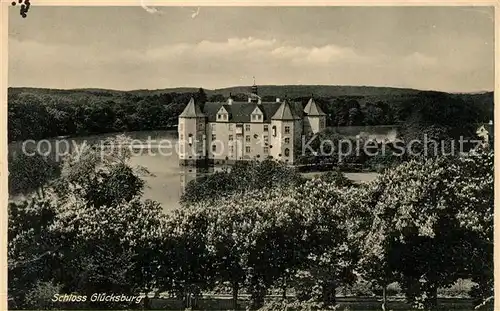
{"x":242,"y":177}
{"x":424,"y":224}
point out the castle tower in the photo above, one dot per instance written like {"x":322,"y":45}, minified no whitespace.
{"x":314,"y":118}
{"x":191,"y":131}
{"x":254,"y":88}
{"x":285,"y":130}
{"x":254,"y":95}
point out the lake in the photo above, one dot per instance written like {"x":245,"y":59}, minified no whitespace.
{"x":155,"y":150}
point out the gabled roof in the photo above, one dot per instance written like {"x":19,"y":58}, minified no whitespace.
{"x":284,"y":112}
{"x":242,"y":111}
{"x":192,"y":111}
{"x":223,"y":109}
{"x":257,"y":109}
{"x":227,"y":108}
{"x":312,"y":109}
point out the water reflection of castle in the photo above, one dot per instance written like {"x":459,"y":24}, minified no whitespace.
{"x":189,"y":173}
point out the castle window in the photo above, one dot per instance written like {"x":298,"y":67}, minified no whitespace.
{"x":247,"y":149}
{"x":256,"y":117}
{"x":214,"y":147}
{"x":247,"y":138}
{"x":287,"y":130}
{"x":200,"y":126}
{"x":222,"y":117}
{"x":266,"y":139}
{"x":266,"y":128}
{"x":213,"y":137}
{"x":247,"y":127}
{"x":274,"y":130}
{"x":181,"y":137}
{"x":287,"y":152}
{"x":287,"y":140}
{"x":266,"y":150}
{"x":230,"y":137}
{"x":230,"y":127}
{"x":231,"y":149}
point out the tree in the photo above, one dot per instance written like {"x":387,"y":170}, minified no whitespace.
{"x":262,"y":238}
{"x":355,"y":116}
{"x":439,"y":117}
{"x":31,"y":247}
{"x":337,"y":178}
{"x":201,"y":98}
{"x":192,"y":263}
{"x":31,"y":173}
{"x":332,"y":256}
{"x":116,"y":247}
{"x":241,"y":177}
{"x":217,"y":98}
{"x":374,"y":115}
{"x":91,"y":232}
{"x":428,"y":221}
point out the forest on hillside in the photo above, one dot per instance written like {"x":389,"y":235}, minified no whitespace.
{"x":43,"y":113}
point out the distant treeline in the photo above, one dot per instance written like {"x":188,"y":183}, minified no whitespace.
{"x":43,"y":113}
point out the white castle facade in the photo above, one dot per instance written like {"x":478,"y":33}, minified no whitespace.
{"x":231,"y":131}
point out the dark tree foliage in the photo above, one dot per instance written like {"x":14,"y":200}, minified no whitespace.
{"x":337,"y":178}
{"x":259,"y":228}
{"x":30,"y":247}
{"x":241,"y":177}
{"x":201,"y":98}
{"x":35,"y":114}
{"x":438,"y":117}
{"x":30,"y":173}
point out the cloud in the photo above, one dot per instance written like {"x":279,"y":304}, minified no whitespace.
{"x":232,"y":61}
{"x":259,"y":50}
{"x":420,"y":59}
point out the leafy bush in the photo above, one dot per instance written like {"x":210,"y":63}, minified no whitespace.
{"x":243,"y":176}
{"x":337,"y":178}
{"x":30,"y":173}
{"x":461,"y":288}
{"x":40,"y":297}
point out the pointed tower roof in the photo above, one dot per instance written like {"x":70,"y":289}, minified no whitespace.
{"x":254,"y":88}
{"x":192,"y":110}
{"x":312,"y":109}
{"x":284,"y":112}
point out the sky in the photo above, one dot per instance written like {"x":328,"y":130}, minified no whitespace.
{"x":124,"y":48}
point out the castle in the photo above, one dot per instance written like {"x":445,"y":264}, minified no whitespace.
{"x":231,"y":131}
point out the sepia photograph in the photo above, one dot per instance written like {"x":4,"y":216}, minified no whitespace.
{"x":270,"y":158}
